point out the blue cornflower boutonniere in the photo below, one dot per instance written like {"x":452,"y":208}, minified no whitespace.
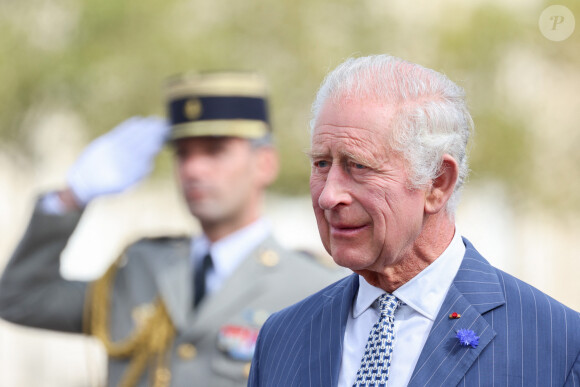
{"x":467,"y":337}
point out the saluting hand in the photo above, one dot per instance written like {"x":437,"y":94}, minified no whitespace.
{"x":118,"y":159}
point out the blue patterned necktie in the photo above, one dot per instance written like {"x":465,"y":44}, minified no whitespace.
{"x":374,"y":366}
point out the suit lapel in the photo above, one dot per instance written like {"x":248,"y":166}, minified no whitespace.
{"x":172,"y":272}
{"x":326,"y":333}
{"x":475,"y":291}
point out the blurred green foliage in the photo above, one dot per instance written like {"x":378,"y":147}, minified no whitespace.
{"x":106,"y":60}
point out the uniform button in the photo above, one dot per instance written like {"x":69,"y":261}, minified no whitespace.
{"x":269,"y":258}
{"x":162,"y":377}
{"x":246,"y":370}
{"x":187,"y":351}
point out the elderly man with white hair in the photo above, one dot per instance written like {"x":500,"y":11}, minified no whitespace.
{"x":423,"y":307}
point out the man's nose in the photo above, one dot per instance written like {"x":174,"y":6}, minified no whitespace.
{"x":335,"y":191}
{"x":197,"y":165}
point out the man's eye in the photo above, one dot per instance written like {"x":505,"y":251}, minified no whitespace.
{"x":180,"y":154}
{"x":321,"y":164}
{"x":216,"y":148}
{"x":358,"y":166}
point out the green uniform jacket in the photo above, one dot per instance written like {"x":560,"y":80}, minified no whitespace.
{"x":33,"y":293}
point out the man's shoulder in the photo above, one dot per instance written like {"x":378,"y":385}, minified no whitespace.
{"x":150,"y":250}
{"x":160,"y":242}
{"x":312,"y":263}
{"x":531,"y":298}
{"x":303,"y":310}
{"x":307,"y":262}
{"x":521,"y":300}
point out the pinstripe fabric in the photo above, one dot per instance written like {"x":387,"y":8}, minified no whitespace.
{"x":526,"y":337}
{"x":303,"y":345}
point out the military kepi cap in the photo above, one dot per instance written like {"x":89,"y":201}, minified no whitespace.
{"x":218,"y":104}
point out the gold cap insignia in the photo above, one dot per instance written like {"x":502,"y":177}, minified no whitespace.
{"x":192,"y":109}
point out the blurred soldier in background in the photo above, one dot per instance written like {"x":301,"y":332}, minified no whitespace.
{"x":172,"y":311}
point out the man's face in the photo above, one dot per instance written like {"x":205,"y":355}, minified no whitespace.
{"x":219,"y":179}
{"x":367,"y":217}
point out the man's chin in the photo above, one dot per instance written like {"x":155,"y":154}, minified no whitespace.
{"x":350,"y":260}
{"x":204,"y":213}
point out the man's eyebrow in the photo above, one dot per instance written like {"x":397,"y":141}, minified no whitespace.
{"x":344,"y":155}
{"x":316,"y":155}
{"x":359,"y":159}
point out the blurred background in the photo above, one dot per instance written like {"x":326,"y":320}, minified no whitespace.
{"x":71,"y":70}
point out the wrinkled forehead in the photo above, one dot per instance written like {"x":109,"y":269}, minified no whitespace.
{"x":340,"y":137}
{"x":359,"y":121}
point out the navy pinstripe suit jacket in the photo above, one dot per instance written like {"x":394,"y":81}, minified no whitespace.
{"x":526,"y":337}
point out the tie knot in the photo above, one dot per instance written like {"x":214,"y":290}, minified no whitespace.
{"x":207,"y":262}
{"x":388,"y":303}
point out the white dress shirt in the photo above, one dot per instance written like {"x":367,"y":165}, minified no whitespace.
{"x":423,"y":296}
{"x":229,"y":252}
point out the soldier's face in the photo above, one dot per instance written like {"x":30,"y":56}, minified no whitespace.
{"x":221,"y":181}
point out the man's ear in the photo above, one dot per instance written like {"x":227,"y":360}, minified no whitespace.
{"x":442,"y":186}
{"x":268,"y":165}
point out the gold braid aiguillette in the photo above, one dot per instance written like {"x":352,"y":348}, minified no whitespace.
{"x":146,"y":345}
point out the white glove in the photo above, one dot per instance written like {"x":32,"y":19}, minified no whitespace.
{"x":118,"y":159}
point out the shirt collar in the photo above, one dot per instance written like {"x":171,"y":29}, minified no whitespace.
{"x":426,"y":291}
{"x":228,"y":252}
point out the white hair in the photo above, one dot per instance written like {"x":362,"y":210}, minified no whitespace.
{"x":431,"y":116}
